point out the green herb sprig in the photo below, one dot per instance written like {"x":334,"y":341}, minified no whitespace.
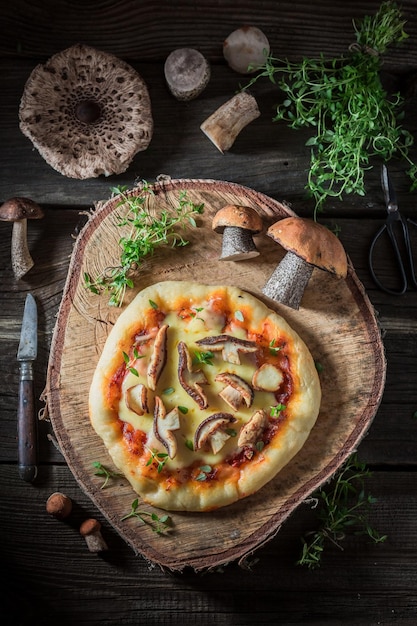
{"x":344,"y":101}
{"x":102,"y":470}
{"x":342,"y":507}
{"x":159,"y":523}
{"x":147,"y":233}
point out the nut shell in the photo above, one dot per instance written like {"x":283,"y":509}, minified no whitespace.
{"x":312,"y":242}
{"x":238,"y":216}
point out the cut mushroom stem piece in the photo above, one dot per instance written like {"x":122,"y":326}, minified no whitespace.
{"x":229,"y":346}
{"x":246,"y":49}
{"x":268,"y":377}
{"x":191,"y":381}
{"x":211,"y":430}
{"x":237,"y":390}
{"x":308,"y":245}
{"x":158,"y":357}
{"x":18,"y":211}
{"x":225,"y":124}
{"x":238,"y":224}
{"x":163,"y":426}
{"x":187,"y":73}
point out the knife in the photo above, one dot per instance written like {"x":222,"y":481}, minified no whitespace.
{"x":27,"y":432}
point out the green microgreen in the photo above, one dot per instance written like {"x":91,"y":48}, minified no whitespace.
{"x":232,"y":432}
{"x":189,"y":444}
{"x":153,"y":304}
{"x":183,"y":409}
{"x":319,"y":366}
{"x":160,"y":457}
{"x":168,"y":391}
{"x":276,"y":410}
{"x":206,"y":358}
{"x":146,"y":234}
{"x":127,"y":360}
{"x":204,"y":470}
{"x":239,"y":316}
{"x":343,"y":101}
{"x":102,"y":470}
{"x":259,"y":446}
{"x":342,"y":506}
{"x":273,"y":348}
{"x":159,"y":523}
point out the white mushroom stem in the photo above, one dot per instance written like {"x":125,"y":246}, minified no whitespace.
{"x":237,"y":244}
{"x":288,"y":281}
{"x":22,"y":262}
{"x":225,"y":124}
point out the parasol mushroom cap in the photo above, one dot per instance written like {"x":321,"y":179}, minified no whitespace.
{"x":237,"y":216}
{"x":312,"y":242}
{"x":87,"y":112}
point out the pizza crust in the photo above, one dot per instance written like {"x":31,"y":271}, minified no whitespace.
{"x":192,"y":312}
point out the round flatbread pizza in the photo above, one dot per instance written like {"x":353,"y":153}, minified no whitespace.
{"x":202,"y":394}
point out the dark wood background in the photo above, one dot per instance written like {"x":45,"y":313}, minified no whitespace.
{"x":48,"y":576}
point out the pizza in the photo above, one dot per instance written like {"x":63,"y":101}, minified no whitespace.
{"x":202,"y":394}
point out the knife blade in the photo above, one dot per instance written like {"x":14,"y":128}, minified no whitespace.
{"x":27,"y":432}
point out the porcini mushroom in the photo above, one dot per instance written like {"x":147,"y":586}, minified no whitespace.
{"x":18,"y":211}
{"x":163,"y":426}
{"x":238,"y":224}
{"x":229,"y":346}
{"x":187,"y":73}
{"x":211,"y":430}
{"x":224,"y":125}
{"x":246,"y":49}
{"x":87,"y":112}
{"x":190,"y":380}
{"x":308,"y":245}
{"x":90,"y":529}
{"x":59,"y":505}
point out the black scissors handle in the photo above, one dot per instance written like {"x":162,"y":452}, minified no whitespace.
{"x":394,"y":217}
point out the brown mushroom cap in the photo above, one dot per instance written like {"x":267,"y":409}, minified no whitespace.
{"x":87,"y":112}
{"x":311,"y":241}
{"x":16,"y":209}
{"x":239,"y":217}
{"x":89,"y":527}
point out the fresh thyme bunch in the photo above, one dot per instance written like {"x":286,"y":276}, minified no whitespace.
{"x":344,"y":100}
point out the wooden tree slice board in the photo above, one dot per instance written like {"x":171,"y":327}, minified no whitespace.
{"x":336,"y":320}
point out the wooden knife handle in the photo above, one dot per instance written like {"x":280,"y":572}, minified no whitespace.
{"x":27,"y":430}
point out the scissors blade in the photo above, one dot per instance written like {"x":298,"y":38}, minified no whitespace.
{"x":389,"y":192}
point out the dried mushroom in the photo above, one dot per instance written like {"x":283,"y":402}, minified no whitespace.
{"x":158,"y":357}
{"x":87,"y":112}
{"x":229,"y":346}
{"x":190,"y":380}
{"x":237,"y":390}
{"x":163,"y":426}
{"x":211,"y":431}
{"x":19,"y":211}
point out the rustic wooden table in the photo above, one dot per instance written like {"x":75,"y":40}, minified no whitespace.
{"x":48,"y":576}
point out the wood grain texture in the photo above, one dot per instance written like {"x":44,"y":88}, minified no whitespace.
{"x":336,"y":319}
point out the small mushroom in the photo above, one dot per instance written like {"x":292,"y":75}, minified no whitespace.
{"x":308,"y":245}
{"x":87,"y":112}
{"x":189,"y":380}
{"x":18,"y":211}
{"x":187,"y":73}
{"x":90,"y":530}
{"x":158,"y":357}
{"x":229,"y":346}
{"x":211,"y":430}
{"x":246,"y":49}
{"x":238,"y":224}
{"x":252,"y":432}
{"x":59,"y":505}
{"x":136,"y":399}
{"x":236,"y":391}
{"x":267,"y":377}
{"x":224,"y":125}
{"x":163,"y":425}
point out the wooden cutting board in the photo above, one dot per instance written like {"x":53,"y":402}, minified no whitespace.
{"x":336,"y":320}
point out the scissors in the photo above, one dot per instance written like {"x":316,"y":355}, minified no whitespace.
{"x":397,"y":229}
